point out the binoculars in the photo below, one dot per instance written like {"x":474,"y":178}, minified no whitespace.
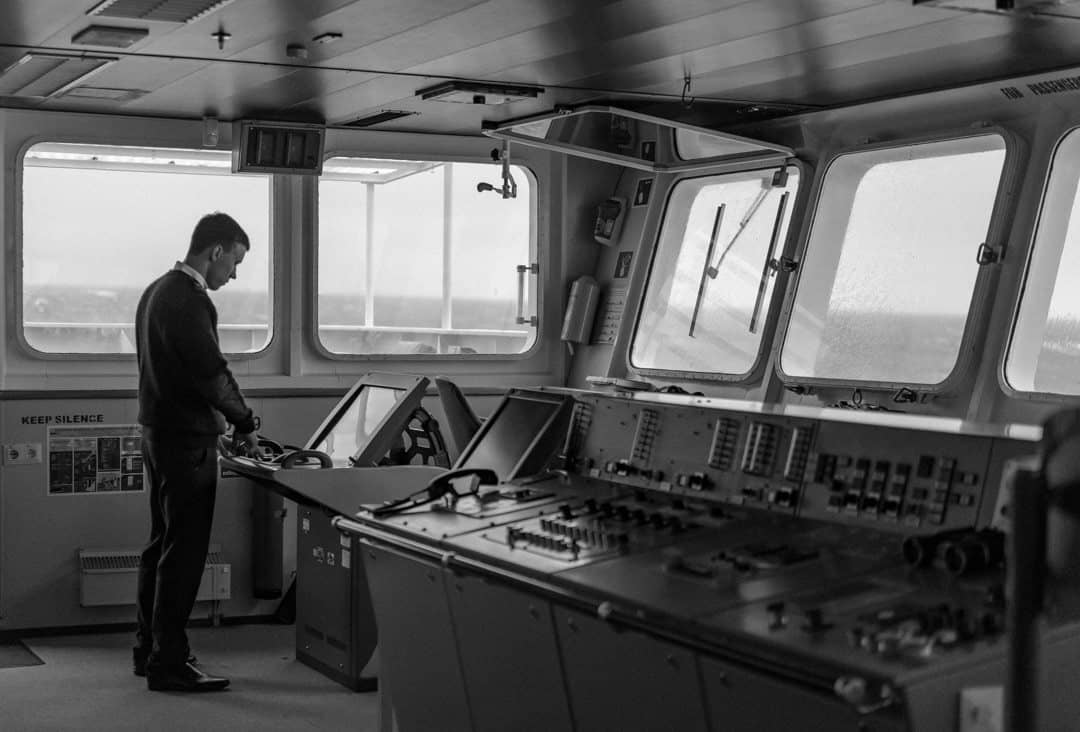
{"x":961,"y":551}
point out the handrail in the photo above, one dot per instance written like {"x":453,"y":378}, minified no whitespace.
{"x":337,"y":328}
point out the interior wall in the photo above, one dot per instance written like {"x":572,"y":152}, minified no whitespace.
{"x":290,"y":386}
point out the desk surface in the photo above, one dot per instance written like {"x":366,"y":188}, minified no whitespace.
{"x":340,"y":490}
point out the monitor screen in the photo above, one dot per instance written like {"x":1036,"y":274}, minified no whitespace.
{"x":357,"y":423}
{"x":520,"y":436}
{"x":365,"y":424}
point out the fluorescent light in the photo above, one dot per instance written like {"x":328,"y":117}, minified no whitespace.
{"x":40,"y":74}
{"x":167,"y":11}
{"x":478,"y":92}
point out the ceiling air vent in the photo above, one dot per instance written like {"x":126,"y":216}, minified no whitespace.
{"x":102,"y":94}
{"x":166,"y":11}
{"x":277,"y":147}
{"x":111,"y":36}
{"x":478,"y":92}
{"x":48,"y":74}
{"x":386,"y":115}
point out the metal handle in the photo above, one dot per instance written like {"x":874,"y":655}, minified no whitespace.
{"x":533,"y":268}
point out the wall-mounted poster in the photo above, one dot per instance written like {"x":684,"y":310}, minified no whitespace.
{"x":99,"y":459}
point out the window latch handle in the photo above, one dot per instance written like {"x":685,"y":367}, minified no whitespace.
{"x":522,"y":269}
{"x":986,"y":254}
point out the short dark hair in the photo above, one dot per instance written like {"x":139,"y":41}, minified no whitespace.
{"x":216,"y":228}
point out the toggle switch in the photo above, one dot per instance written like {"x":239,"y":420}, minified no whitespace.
{"x":815,"y":621}
{"x":777,"y":619}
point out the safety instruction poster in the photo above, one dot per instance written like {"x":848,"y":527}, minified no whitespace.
{"x":99,"y":459}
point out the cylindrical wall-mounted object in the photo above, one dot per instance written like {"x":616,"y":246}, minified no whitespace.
{"x":580,"y":310}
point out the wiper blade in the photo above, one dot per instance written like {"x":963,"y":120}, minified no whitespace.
{"x":771,"y":265}
{"x":705,"y":268}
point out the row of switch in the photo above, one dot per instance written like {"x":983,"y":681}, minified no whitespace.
{"x":622,"y":513}
{"x":595,"y":537}
{"x":914,"y":632}
{"x":542,"y":541}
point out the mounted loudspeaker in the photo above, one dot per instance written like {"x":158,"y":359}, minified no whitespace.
{"x":277,"y":147}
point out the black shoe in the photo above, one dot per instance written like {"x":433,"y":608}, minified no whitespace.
{"x":139,"y":657}
{"x":138,"y":661}
{"x":182,"y":678}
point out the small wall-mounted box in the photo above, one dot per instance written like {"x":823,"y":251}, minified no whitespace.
{"x":277,"y":147}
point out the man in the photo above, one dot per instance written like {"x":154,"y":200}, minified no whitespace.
{"x":186,"y":395}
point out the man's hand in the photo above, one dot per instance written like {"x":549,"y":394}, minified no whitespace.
{"x":246,"y":444}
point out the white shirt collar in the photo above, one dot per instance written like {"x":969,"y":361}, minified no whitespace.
{"x":192,"y":273}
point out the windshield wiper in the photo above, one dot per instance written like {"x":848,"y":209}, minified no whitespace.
{"x":771,"y":265}
{"x":710,"y":271}
{"x":705,"y":269}
{"x":713,"y":271}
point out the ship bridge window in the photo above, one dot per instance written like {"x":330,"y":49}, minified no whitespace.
{"x":422,"y":257}
{"x":886,"y":283}
{"x":1044,"y":353}
{"x":100,"y":222}
{"x":710,"y":281}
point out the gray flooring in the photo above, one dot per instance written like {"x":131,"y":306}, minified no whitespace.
{"x":86,"y":683}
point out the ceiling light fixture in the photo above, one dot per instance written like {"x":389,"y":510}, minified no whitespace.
{"x":377,"y":118}
{"x":103,"y":94}
{"x":46,"y":75}
{"x":478,"y":92}
{"x":167,"y":11}
{"x":111,"y":36}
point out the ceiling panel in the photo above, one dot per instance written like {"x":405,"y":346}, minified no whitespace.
{"x":259,"y":34}
{"x":145,"y":74}
{"x":814,"y":71}
{"x":679,"y":40}
{"x":601,"y":33}
{"x":784,"y":43}
{"x":993,"y":56}
{"x":22,"y":21}
{"x":811,"y":52}
{"x":512,"y":54}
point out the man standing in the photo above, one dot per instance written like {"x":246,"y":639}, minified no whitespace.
{"x":186,"y":395}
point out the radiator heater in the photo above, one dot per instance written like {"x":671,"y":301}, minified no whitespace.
{"x":110,"y":576}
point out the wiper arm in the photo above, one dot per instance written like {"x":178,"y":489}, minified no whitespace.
{"x":770,"y":266}
{"x":713,"y":271}
{"x":710,"y":271}
{"x":705,"y":268}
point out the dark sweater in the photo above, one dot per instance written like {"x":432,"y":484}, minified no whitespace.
{"x":186,"y":390}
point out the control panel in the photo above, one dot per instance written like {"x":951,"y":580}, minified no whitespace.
{"x":882,"y":624}
{"x":896,"y":472}
{"x":581,"y":531}
{"x":839,"y":550}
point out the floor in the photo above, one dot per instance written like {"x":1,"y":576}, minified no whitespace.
{"x":86,"y":683}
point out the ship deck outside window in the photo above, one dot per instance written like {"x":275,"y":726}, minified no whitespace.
{"x":414,"y":258}
{"x":1044,"y":354}
{"x":708,"y":270}
{"x":886,"y":283}
{"x":100,"y":222}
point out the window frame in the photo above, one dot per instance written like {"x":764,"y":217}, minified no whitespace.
{"x":772,"y":310}
{"x":1031,"y":240}
{"x":18,"y":322}
{"x":996,"y":237}
{"x":538,"y":256}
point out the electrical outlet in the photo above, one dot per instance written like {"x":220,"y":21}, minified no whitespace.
{"x":22,"y":453}
{"x":981,"y":709}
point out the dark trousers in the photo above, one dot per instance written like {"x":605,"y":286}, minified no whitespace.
{"x":182,"y":481}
